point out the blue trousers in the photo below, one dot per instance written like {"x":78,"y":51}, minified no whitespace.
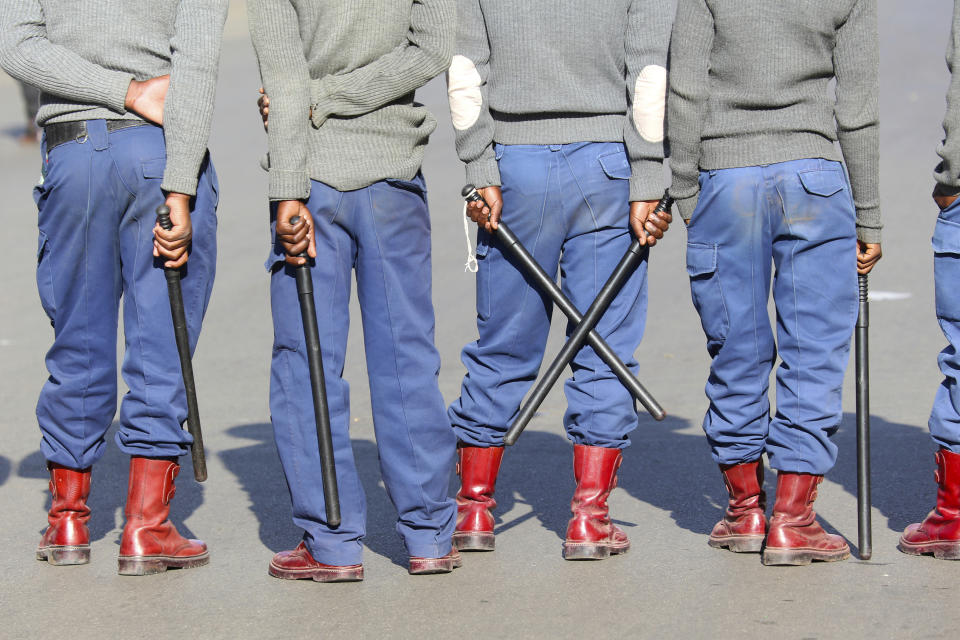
{"x":945,"y":417}
{"x":97,"y":209}
{"x":569,"y":205}
{"x":382,"y":231}
{"x":797,"y":216}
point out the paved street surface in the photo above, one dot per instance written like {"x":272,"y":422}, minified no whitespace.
{"x":671,"y":584}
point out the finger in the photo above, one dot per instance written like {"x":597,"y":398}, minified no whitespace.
{"x":176,"y":264}
{"x":295,"y":260}
{"x":495,"y":214}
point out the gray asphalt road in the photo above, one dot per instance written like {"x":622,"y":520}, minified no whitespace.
{"x":670,"y":584}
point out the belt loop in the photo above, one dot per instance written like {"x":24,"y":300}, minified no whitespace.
{"x":556,"y":147}
{"x":97,"y":134}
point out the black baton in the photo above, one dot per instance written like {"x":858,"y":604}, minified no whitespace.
{"x":183,"y":350}
{"x":321,"y":412}
{"x":863,"y":423}
{"x":529,"y":266}
{"x":628,"y":265}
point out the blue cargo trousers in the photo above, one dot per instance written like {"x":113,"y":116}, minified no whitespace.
{"x":569,"y":205}
{"x":383,"y":232}
{"x":798,"y":218}
{"x":945,"y":417}
{"x":97,"y":208}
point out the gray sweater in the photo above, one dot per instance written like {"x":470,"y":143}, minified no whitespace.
{"x":353,"y":65}
{"x":82,"y":54}
{"x":749,"y":86}
{"x":554,"y":72}
{"x":947,"y":172}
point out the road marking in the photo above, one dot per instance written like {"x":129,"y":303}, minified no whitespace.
{"x":884,"y":296}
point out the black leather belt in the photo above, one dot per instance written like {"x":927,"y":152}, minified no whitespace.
{"x":60,"y":132}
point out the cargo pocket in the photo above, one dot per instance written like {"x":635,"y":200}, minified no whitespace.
{"x":45,"y":277}
{"x":946,"y":268}
{"x":484,"y":240}
{"x":707,"y":293}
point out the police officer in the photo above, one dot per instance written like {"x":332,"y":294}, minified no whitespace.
{"x":558,"y":112}
{"x":127,"y":97}
{"x":758,"y":179}
{"x":346,"y":142}
{"x":939,"y":533}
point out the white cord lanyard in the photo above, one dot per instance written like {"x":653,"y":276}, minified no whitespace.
{"x":471,"y":264}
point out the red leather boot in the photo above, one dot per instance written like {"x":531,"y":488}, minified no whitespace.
{"x":939,"y":533}
{"x":590,"y":533}
{"x":794,"y":536}
{"x":744,"y":525}
{"x":150,"y":543}
{"x":67,"y":539}
{"x":477,"y":468}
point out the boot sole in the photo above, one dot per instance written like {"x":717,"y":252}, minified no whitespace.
{"x":149,"y":565}
{"x":65,"y":556}
{"x":325,"y":574}
{"x":940,"y":550}
{"x":482,"y":541}
{"x":738,"y":544}
{"x":430,"y":566}
{"x":591,"y":551}
{"x":799,"y":557}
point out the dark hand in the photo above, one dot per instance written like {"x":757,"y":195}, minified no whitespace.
{"x":295,"y":238}
{"x":868,"y":254}
{"x":173,"y":244}
{"x":263,"y":103}
{"x":146,"y":98}
{"x":647,"y":227}
{"x":486,"y":217}
{"x":942,"y":199}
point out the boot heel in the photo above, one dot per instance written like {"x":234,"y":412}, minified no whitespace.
{"x":947,"y":552}
{"x":67,"y":556}
{"x":585,"y":552}
{"x":140,"y":566}
{"x":745,"y":544}
{"x":474,"y":541}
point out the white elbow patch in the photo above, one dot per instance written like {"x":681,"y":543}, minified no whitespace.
{"x":463,"y":91}
{"x":649,"y":99}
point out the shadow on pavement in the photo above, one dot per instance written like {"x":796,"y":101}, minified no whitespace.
{"x":257,"y":467}
{"x":662,"y":467}
{"x":4,"y":469}
{"x":901,"y":468}
{"x":108,"y":491}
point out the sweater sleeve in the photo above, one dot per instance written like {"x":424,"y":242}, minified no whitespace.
{"x":467,"y":92}
{"x":947,"y":172}
{"x":274,"y":29}
{"x":855,"y":61}
{"x":690,"y":46}
{"x":188,"y":108}
{"x":27,"y":55}
{"x":425,"y":53}
{"x":647,"y":36}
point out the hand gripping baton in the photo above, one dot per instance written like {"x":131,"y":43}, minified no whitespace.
{"x":864,"y":532}
{"x":183,"y":350}
{"x":628,"y":264}
{"x":321,"y":411}
{"x":530,"y":268}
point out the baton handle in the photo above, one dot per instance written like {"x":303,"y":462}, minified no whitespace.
{"x":628,"y":264}
{"x":511,"y":245}
{"x":864,"y":529}
{"x":318,"y":389}
{"x":182,"y":336}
